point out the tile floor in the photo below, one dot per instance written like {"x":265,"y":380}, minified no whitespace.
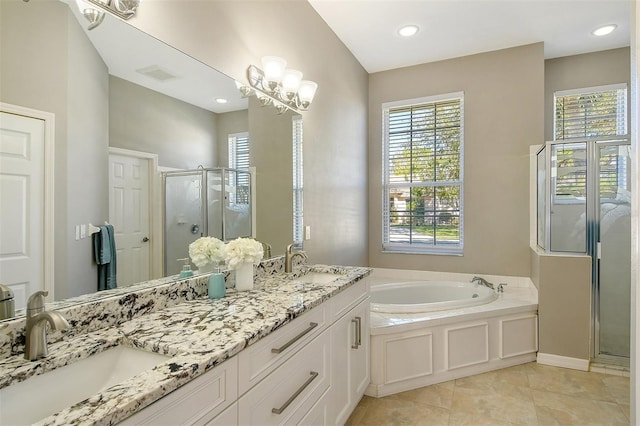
{"x":529,"y":394}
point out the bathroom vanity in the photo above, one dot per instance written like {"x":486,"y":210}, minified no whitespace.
{"x":295,"y":349}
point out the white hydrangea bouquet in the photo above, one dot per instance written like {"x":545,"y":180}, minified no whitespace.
{"x":206,"y":251}
{"x":243,"y":250}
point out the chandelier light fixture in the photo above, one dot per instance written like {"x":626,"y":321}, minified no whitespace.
{"x":94,"y":10}
{"x":276,"y":85}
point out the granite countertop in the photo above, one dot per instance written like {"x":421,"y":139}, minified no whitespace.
{"x":197,"y":335}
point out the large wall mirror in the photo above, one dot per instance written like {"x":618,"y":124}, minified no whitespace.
{"x":120,"y":95}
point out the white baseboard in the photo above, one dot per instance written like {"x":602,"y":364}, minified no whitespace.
{"x":563,"y":361}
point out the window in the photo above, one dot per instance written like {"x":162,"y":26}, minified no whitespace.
{"x":423,"y":175}
{"x":590,"y":113}
{"x":297,"y":181}
{"x":239,"y":160}
{"x":239,"y":151}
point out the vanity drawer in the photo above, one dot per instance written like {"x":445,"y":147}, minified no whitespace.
{"x":260,"y":359}
{"x":287,"y":394}
{"x":348,"y":299}
{"x":197,"y":402}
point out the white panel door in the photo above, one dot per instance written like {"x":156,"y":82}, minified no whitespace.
{"x":129,"y":215}
{"x":21,"y":205}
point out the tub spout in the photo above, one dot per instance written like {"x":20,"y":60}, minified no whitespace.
{"x":482,"y":281}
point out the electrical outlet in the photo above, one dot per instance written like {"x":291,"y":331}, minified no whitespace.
{"x":307,"y":232}
{"x":77,"y":232}
{"x":83,"y":231}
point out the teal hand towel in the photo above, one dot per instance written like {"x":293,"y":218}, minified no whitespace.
{"x":104,"y":248}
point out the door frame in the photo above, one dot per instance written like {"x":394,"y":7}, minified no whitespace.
{"x":48,"y":252}
{"x":155,"y":208}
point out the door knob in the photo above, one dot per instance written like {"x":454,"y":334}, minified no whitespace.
{"x":145,"y":239}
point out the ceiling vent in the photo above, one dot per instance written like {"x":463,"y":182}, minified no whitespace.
{"x":157,"y":73}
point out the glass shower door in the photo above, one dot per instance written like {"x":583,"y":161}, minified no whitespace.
{"x":614,"y":259}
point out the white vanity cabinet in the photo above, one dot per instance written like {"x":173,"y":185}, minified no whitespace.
{"x":350,"y":354}
{"x":204,"y":400}
{"x":312,"y":371}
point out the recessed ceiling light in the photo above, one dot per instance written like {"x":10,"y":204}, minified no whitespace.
{"x":221,"y":100}
{"x":408,"y":30}
{"x":604,"y":30}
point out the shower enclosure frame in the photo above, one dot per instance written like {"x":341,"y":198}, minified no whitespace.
{"x":204,"y":205}
{"x":592,"y":225}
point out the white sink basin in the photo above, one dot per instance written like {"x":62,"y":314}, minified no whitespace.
{"x":318,"y":277}
{"x":40,"y":396}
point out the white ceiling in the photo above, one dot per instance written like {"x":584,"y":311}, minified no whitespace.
{"x":125,"y":50}
{"x":454,"y":28}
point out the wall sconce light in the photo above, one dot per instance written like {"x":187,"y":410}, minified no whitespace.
{"x":124,"y":9}
{"x":276,"y":85}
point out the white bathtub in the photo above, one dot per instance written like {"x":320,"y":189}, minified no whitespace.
{"x":428,"y":296}
{"x":427,"y":328}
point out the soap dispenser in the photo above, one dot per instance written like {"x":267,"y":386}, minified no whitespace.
{"x":217,"y":288}
{"x":186,"y":271}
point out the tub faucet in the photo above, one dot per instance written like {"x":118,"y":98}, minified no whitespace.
{"x":36,"y":331}
{"x":289,"y":254}
{"x":482,"y":281}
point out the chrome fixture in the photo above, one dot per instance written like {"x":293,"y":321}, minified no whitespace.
{"x":36,"y":332}
{"x":482,"y":281}
{"x":501,"y":287}
{"x":7,"y":303}
{"x":289,"y":254}
{"x":276,"y":85}
{"x":124,"y":9}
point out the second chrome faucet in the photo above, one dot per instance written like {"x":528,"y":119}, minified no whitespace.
{"x":36,"y":331}
{"x":289,"y":254}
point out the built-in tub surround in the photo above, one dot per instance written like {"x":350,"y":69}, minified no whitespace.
{"x":453,"y":343}
{"x":199,"y":333}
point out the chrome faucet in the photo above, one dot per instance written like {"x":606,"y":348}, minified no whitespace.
{"x":36,"y":333}
{"x":482,"y":281}
{"x":289,"y":254}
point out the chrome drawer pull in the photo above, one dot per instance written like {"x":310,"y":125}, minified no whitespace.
{"x":355,"y":344}
{"x":312,"y":325}
{"x":358,"y":322}
{"x":295,"y":395}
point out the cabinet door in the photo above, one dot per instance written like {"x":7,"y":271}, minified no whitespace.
{"x":228,"y":417}
{"x":349,"y":361}
{"x":359,"y":369}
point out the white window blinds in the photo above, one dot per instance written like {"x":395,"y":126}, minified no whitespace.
{"x":591,"y":113}
{"x":423,"y":148}
{"x":239,"y":151}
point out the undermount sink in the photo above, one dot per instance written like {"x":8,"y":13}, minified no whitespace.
{"x":318,"y":277}
{"x":41,"y":396}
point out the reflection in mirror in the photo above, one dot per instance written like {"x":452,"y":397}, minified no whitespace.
{"x":128,"y":106}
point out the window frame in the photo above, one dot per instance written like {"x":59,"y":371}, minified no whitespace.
{"x":298,"y":180}
{"x":413,"y":248}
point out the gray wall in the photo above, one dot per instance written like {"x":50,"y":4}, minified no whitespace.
{"x":40,"y":70}
{"x":183,"y":135}
{"x":564,"y":300}
{"x":227,"y":124}
{"x":271,"y":139}
{"x":503,"y":115}
{"x":230,"y":35}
